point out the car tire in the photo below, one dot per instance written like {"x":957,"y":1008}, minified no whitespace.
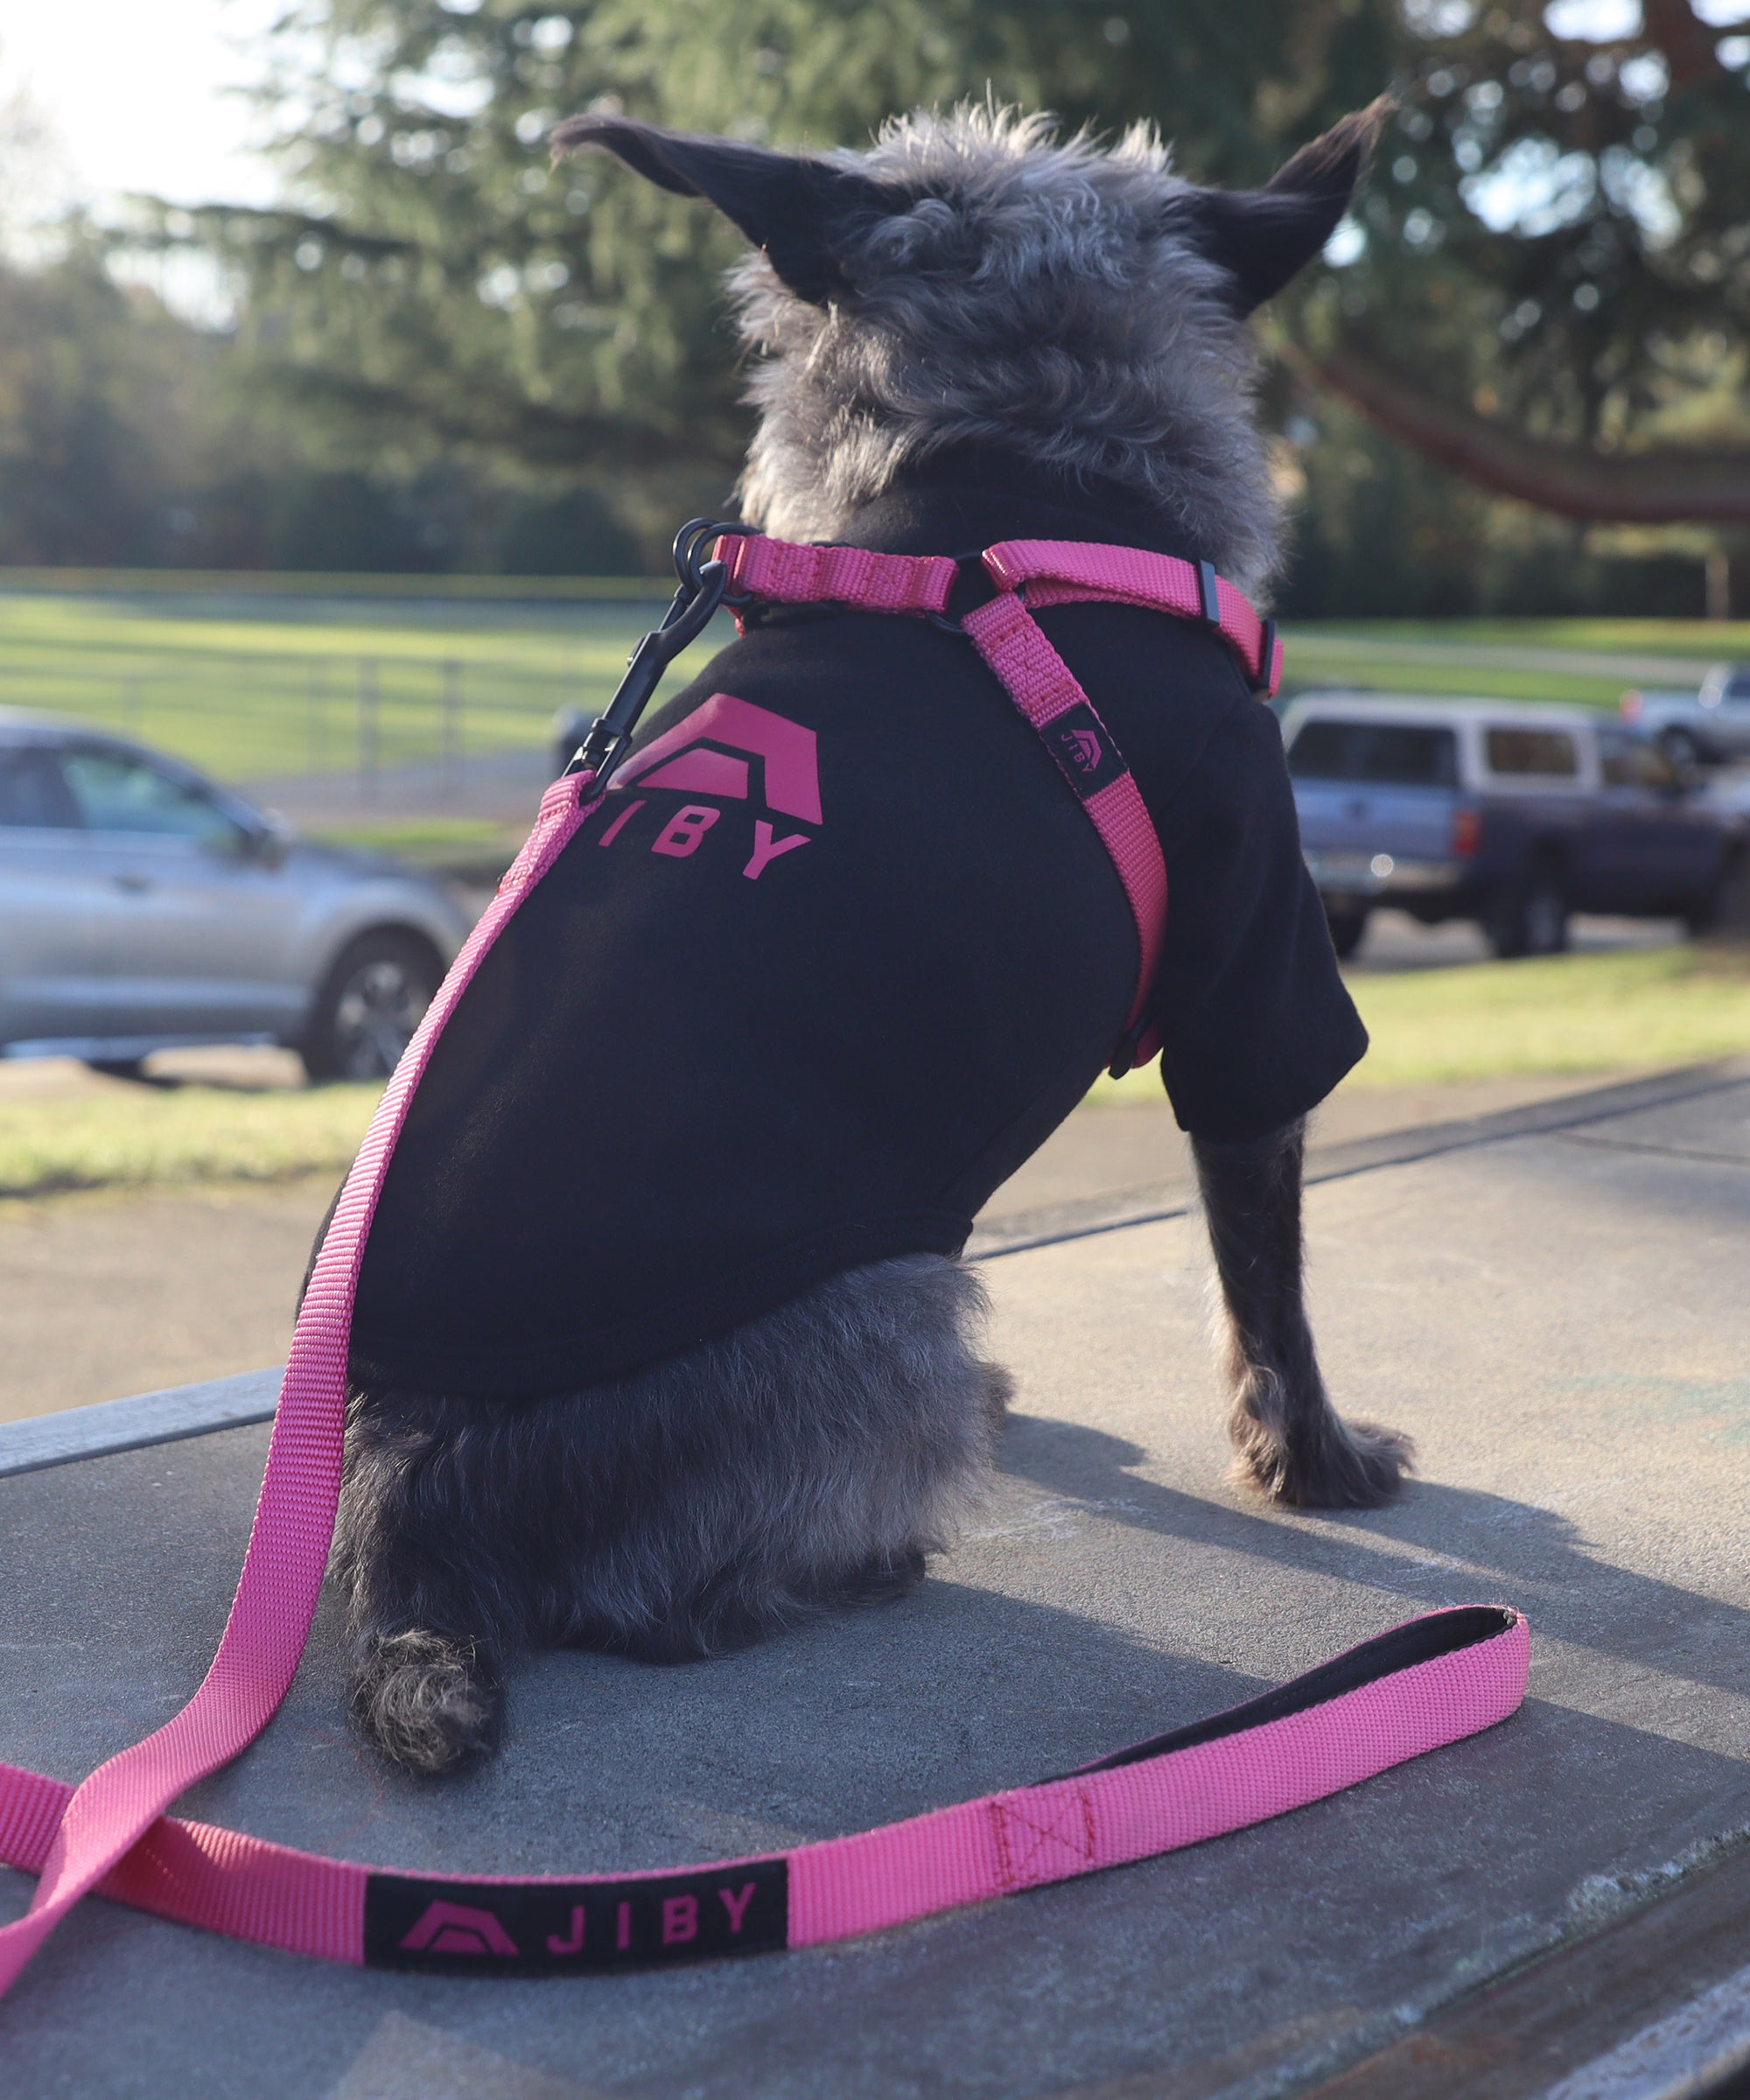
{"x":1726,"y":903}
{"x":1348,"y":929}
{"x":1684,"y":749}
{"x":370,"y":1002}
{"x":1529,"y":917}
{"x":118,"y":1068}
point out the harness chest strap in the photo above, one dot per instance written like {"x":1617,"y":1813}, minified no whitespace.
{"x":1438,"y":1678}
{"x":1036,"y":678}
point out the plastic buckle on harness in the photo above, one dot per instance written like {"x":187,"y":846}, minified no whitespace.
{"x":1261,"y":684}
{"x":1124,"y":1058}
{"x":1209,"y":593}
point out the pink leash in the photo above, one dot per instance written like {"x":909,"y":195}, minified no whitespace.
{"x":1429,"y":1683}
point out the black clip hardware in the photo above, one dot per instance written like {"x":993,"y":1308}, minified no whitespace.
{"x":1124,"y":1058}
{"x":703,"y":587}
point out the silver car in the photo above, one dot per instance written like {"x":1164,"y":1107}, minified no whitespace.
{"x":144,"y":909}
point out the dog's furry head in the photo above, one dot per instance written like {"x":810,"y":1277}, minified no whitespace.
{"x":971,"y":280}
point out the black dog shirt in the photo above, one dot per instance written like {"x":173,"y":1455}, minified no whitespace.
{"x":837,"y":953}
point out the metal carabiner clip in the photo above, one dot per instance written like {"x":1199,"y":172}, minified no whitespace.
{"x":702,"y":589}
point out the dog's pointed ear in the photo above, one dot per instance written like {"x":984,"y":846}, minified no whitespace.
{"x":1263,"y":237}
{"x":796,"y":208}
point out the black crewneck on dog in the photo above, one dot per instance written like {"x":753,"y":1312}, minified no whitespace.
{"x":823,"y":971}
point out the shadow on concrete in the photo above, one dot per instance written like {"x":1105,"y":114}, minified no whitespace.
{"x":1466,"y":1539}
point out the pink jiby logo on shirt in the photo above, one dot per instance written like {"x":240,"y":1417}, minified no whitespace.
{"x":713,"y":752}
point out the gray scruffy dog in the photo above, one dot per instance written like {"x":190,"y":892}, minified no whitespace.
{"x":1081,"y":311}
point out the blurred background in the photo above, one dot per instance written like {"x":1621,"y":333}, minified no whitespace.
{"x":341,"y":440}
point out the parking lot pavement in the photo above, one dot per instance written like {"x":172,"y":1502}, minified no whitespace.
{"x":1394,"y":941}
{"x":1558,"y":1318}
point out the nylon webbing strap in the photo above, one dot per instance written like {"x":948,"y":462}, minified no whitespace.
{"x":1057,"y":572}
{"x":1045,"y":690}
{"x":288,"y":1550}
{"x":792,"y":575}
{"x":1427,"y":1684}
{"x":1438,"y":1678}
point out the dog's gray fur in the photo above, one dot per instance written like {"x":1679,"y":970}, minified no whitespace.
{"x":967,"y":280}
{"x":1050,"y":298}
{"x":810,"y":1458}
{"x":1289,"y":1442}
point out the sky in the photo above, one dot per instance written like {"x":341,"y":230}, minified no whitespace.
{"x":134,"y":92}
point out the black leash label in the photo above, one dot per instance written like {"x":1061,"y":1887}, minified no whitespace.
{"x":1082,"y":745}
{"x":568,"y":1928}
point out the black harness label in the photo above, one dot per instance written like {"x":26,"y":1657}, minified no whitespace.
{"x":560,"y":1927}
{"x":1082,"y":745}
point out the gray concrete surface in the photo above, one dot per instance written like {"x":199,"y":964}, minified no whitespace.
{"x":1558,"y":1318}
{"x":108,"y":1291}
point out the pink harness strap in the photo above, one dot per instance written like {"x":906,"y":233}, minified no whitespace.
{"x":1059,"y":572}
{"x":288,"y":1550}
{"x":1433,"y":1681}
{"x":1042,"y":686}
{"x":790,"y":574}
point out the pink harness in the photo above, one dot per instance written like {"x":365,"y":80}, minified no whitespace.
{"x":1429,"y":1682}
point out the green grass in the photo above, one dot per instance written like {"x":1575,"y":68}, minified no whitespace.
{"x":1708,"y":641}
{"x":1574,"y":1014}
{"x":1359,"y":651}
{"x":146,"y":1137}
{"x":246,"y":687}
{"x":253,"y":677}
{"x":475,"y":849}
{"x":1571,"y":1014}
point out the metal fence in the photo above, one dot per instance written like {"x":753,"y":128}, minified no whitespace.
{"x":259,"y":714}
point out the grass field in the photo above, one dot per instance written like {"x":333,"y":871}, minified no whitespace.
{"x":248,"y":688}
{"x":267,"y":678}
{"x":1571,"y":1014}
{"x":150,"y":1136}
{"x":1574,"y":1014}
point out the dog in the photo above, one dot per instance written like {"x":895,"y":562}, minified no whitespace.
{"x":663,"y":1341}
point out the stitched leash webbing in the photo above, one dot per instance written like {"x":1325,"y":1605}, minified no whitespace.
{"x":1434,"y":1681}
{"x":1277,"y":1754}
{"x":1043,"y":688}
{"x":288,"y":1549}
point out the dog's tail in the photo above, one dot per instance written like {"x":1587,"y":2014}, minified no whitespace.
{"x":428,"y":1700}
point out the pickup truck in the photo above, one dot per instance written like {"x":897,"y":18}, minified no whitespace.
{"x":1513,"y":815}
{"x":1704,"y":728}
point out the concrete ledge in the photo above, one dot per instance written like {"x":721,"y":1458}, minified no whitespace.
{"x":1152,"y":1204}
{"x":193,"y":1410}
{"x":111,"y":1425}
{"x":1656,"y":2007}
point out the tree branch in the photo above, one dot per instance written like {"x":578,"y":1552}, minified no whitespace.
{"x":1687,"y":45}
{"x":1665,"y":485}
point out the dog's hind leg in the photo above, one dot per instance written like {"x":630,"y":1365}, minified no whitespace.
{"x":809,"y":1459}
{"x":428,"y":1565}
{"x":1290,"y":1441}
{"x":813,"y":1457}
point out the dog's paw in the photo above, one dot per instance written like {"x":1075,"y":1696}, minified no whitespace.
{"x":884,"y":1578}
{"x":1343,"y":1466}
{"x":429,"y":1703}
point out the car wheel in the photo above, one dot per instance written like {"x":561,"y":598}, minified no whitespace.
{"x":1530,"y":917}
{"x":117,"y":1067}
{"x":1348,"y":928}
{"x":374,"y":999}
{"x":1682,"y":749}
{"x":1727,"y":902}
